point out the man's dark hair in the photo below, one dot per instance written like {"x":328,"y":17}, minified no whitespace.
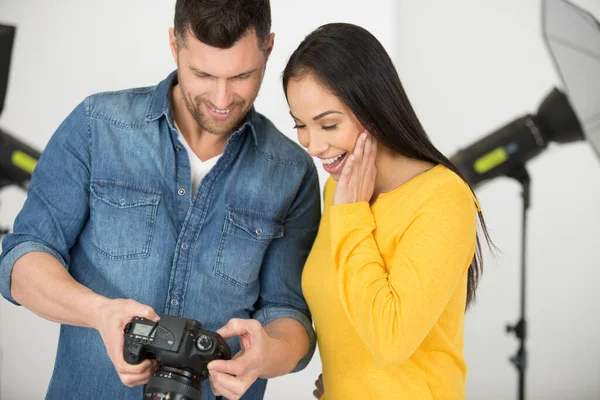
{"x":221,"y":23}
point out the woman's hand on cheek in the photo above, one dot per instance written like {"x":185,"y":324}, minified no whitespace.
{"x":357,"y":181}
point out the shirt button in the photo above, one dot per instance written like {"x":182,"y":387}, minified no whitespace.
{"x":201,"y":196}
{"x":184,"y":246}
{"x":181,"y":191}
{"x":258,"y":231}
{"x":174,"y":302}
{"x":177,"y":148}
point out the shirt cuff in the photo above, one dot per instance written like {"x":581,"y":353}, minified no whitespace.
{"x":9,"y":259}
{"x":269,"y":314}
{"x":353,"y":221}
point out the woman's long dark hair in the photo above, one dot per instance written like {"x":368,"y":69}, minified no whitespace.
{"x":353,"y":64}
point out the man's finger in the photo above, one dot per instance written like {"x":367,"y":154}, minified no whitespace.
{"x":139,"y":378}
{"x":212,"y":386}
{"x":151,"y":314}
{"x":134,"y":309}
{"x":133,"y":380}
{"x":143,"y":367}
{"x":229,"y":386}
{"x":235,"y":367}
{"x":235,"y":327}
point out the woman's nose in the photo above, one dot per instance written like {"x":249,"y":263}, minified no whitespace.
{"x":316,"y":147}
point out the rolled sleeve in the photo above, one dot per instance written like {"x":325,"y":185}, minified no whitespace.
{"x":10,"y":258}
{"x":57,"y":205}
{"x":281,"y":273}
{"x":269,"y":314}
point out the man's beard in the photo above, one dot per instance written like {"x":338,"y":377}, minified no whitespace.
{"x":209,"y":124}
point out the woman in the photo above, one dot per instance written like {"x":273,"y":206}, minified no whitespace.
{"x":396,"y":260}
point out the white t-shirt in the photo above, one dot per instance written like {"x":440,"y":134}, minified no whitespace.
{"x":199,"y":168}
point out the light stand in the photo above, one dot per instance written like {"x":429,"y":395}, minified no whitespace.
{"x":504,"y":153}
{"x":572,"y":36}
{"x":519,"y":360}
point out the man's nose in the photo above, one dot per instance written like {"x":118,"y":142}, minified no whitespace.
{"x":222,"y":94}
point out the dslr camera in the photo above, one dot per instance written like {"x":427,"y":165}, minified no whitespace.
{"x":182,"y":350}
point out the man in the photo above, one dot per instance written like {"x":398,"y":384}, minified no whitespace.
{"x":178,"y":199}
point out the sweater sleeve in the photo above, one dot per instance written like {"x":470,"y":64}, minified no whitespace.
{"x":394,"y":307}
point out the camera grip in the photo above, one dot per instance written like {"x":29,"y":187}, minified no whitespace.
{"x":132,"y":353}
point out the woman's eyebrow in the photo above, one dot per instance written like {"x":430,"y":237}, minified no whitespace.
{"x":323,"y":114}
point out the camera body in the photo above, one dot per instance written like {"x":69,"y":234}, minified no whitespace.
{"x":174,"y":342}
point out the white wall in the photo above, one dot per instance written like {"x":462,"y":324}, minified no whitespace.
{"x":468,"y":66}
{"x":66,"y":50}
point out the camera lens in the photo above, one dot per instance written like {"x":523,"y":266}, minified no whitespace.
{"x":169,"y":383}
{"x":204,"y":343}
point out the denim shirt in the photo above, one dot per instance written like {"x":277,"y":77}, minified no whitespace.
{"x":111,"y":200}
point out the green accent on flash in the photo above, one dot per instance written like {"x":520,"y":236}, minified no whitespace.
{"x":490,"y":161}
{"x":23,"y":161}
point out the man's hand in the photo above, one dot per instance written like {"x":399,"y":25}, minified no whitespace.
{"x":320,"y":389}
{"x":112,"y":316}
{"x":232,"y":378}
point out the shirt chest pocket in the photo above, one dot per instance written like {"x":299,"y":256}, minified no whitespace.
{"x":244,"y":241}
{"x":123,"y":219}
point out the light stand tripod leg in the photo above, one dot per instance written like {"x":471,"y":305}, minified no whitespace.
{"x":520,"y":329}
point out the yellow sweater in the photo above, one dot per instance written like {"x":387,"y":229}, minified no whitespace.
{"x":386,"y":285}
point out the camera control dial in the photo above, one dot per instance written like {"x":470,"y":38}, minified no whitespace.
{"x":204,"y":343}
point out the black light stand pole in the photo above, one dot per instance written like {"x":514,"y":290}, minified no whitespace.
{"x":520,"y":329}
